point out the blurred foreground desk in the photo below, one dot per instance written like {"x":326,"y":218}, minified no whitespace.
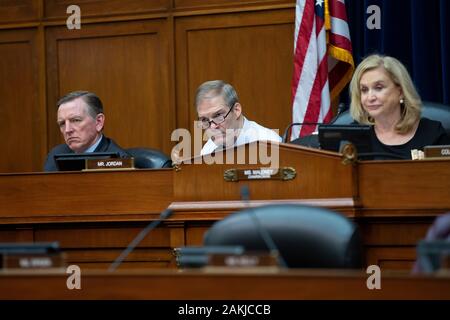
{"x":224,"y":285}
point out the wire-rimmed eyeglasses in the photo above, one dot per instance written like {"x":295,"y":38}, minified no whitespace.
{"x":205,"y":123}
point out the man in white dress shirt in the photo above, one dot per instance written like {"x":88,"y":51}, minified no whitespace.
{"x":220,"y":115}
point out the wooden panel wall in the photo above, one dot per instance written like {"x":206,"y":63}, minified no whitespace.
{"x":23,"y":128}
{"x":126,"y":64}
{"x":249,"y":50}
{"x":89,"y":8}
{"x":144,"y":59}
{"x":19,"y":10}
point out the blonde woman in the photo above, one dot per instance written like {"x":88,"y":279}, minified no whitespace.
{"x":383,"y":95}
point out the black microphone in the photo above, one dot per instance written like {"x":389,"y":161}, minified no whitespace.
{"x":286,"y":132}
{"x":245,"y":196}
{"x":164,"y":215}
{"x":340,"y":109}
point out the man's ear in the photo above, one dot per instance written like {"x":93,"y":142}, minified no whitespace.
{"x":99,"y":121}
{"x":237,"y":109}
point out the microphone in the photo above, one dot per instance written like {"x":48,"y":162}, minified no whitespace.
{"x":164,"y":215}
{"x":245,"y":196}
{"x":286,"y":132}
{"x":340,"y":109}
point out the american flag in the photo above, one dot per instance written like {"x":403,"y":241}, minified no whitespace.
{"x":323,"y":61}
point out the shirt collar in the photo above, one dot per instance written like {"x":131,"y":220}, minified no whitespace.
{"x":241,"y":137}
{"x":95,"y":145}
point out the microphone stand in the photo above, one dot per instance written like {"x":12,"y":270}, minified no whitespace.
{"x":245,"y":194}
{"x":340,"y":110}
{"x":164,"y":215}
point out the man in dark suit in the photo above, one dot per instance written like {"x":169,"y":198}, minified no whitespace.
{"x":81,"y":119}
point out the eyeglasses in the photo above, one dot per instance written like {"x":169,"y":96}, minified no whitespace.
{"x":205,"y":123}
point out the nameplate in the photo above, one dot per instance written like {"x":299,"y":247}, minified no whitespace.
{"x":437,"y":151}
{"x":32,"y":261}
{"x":110,"y":164}
{"x":234,"y":175}
{"x":251,"y":259}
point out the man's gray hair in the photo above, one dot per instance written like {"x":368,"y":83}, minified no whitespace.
{"x":214,"y":88}
{"x":93,"y":102}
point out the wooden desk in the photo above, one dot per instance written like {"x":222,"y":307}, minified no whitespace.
{"x":220,"y":284}
{"x":95,"y":215}
{"x":84,"y":196}
{"x":393,"y":202}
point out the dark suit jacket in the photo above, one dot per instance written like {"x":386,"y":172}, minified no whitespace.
{"x":105,"y":145}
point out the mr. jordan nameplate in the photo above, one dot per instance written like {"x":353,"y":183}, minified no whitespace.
{"x":110,"y":164}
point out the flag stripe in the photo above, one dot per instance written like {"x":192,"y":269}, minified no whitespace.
{"x":315,"y":99}
{"x":320,"y":67}
{"x":302,"y":42}
{"x":337,"y":9}
{"x":340,"y":27}
{"x":298,"y":18}
{"x":306,"y":82}
{"x":314,"y":107}
{"x":340,"y":42}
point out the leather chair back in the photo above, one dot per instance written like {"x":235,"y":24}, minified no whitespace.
{"x":306,"y":237}
{"x":145,"y":158}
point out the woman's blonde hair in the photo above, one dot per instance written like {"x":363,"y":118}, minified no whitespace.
{"x":411,"y":108}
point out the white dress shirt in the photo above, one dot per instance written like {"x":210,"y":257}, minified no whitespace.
{"x":250,"y":132}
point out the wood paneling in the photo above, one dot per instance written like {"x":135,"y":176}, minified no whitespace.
{"x":141,"y":257}
{"x":391,"y":258}
{"x":101,"y":236}
{"x":17,"y":234}
{"x":19,"y":10}
{"x":81,"y":197}
{"x":57,"y":8}
{"x":126,"y":65}
{"x":429,"y":190}
{"x":22,"y":114}
{"x":98,"y":245}
{"x":202,"y":4}
{"x":252,"y":51}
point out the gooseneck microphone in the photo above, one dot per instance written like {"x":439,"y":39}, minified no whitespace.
{"x":340,"y":109}
{"x":245,"y":196}
{"x":286,"y":132}
{"x":164,"y":215}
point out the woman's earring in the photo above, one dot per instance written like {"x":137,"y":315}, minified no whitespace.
{"x":402,"y":101}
